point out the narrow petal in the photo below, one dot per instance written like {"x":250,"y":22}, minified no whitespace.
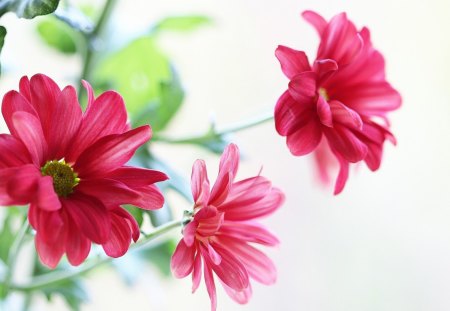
{"x":20,"y":184}
{"x":50,"y":254}
{"x":132,"y":223}
{"x":315,"y":20}
{"x":305,"y":139}
{"x":29,"y":131}
{"x":345,"y":116}
{"x":241,"y":297}
{"x":248,"y":232}
{"x":373,"y":157}
{"x":210,"y":286}
{"x":119,"y":239}
{"x":46,"y":198}
{"x":200,"y":183}
{"x":90,"y":216}
{"x":213,"y":255}
{"x":196,"y":272}
{"x":65,"y":122}
{"x":24,"y":88}
{"x":182,"y":261}
{"x":111,"y":152}
{"x":77,"y":245}
{"x":303,"y":87}
{"x":324,"y":112}
{"x":14,"y":102}
{"x":345,"y":143}
{"x":17,"y":154}
{"x":189,"y":232}
{"x":229,"y":163}
{"x":342,"y":176}
{"x":292,"y":61}
{"x":324,"y":68}
{"x":49,"y":224}
{"x":136,"y":176}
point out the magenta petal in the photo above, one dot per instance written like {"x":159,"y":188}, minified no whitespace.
{"x":324,"y":112}
{"x":303,"y":87}
{"x":196,"y":272}
{"x":77,"y":245}
{"x":289,"y":114}
{"x":324,"y":68}
{"x":342,"y":176}
{"x":241,"y":297}
{"x":182,"y":261}
{"x":21,"y":183}
{"x":210,"y":286}
{"x":29,"y":131}
{"x":345,"y":115}
{"x":49,"y":225}
{"x":292,"y":61}
{"x":346,"y":144}
{"x":249,"y":232}
{"x":46,"y":197}
{"x":17,"y":154}
{"x":131,"y":221}
{"x":229,"y":162}
{"x":213,"y":255}
{"x":61,"y":133}
{"x":24,"y":88}
{"x":111,"y":152}
{"x":189,"y":232}
{"x":373,"y":157}
{"x":316,"y":20}
{"x":136,"y":176}
{"x":305,"y":139}
{"x":50,"y":254}
{"x":200,"y":183}
{"x":90,"y":216}
{"x":14,"y":102}
{"x":119,"y":239}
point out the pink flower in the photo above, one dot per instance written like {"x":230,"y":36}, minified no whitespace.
{"x":343,"y":97}
{"x":69,"y":166}
{"x":222,"y":229}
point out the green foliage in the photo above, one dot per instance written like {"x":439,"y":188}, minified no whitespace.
{"x":28,"y":8}
{"x":136,"y":212}
{"x":2,"y":41}
{"x":160,"y":255}
{"x":6,"y":237}
{"x":182,"y":23}
{"x":58,"y":35}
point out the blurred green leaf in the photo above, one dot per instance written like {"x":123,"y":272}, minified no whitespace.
{"x":76,"y":19}
{"x":2,"y":41}
{"x":160,"y":255}
{"x":136,"y":72}
{"x":136,"y":212}
{"x":6,"y":237}
{"x":58,"y":35}
{"x":182,"y":23}
{"x":28,"y":8}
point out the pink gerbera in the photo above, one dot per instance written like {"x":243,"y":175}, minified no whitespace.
{"x":69,"y":166}
{"x":221,"y":230}
{"x":338,"y":106}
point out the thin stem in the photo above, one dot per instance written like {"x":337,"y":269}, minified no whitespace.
{"x":58,"y":276}
{"x":230,"y":129}
{"x":12,"y":257}
{"x":90,"y":41}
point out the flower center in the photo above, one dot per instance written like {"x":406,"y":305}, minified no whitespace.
{"x":64,"y":178}
{"x":323,"y":93}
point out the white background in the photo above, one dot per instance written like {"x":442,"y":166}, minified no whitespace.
{"x":384,"y":243}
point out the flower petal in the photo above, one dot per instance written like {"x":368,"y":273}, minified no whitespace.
{"x":305,"y":139}
{"x":90,"y":216}
{"x":196,"y":272}
{"x":120,"y":238}
{"x":46,"y":198}
{"x":111,"y":152}
{"x":24,"y":88}
{"x":316,"y":20}
{"x":345,"y":116}
{"x":77,"y":245}
{"x":200,"y":183}
{"x":345,"y":143}
{"x":210,"y":286}
{"x":136,"y":176}
{"x":229,"y":162}
{"x":50,"y":254}
{"x":241,"y":297}
{"x":342,"y":176}
{"x":182,"y":261}
{"x":248,"y":232}
{"x":324,"y":112}
{"x":14,"y":102}
{"x":324,"y":68}
{"x":303,"y":87}
{"x":17,"y":154}
{"x":292,"y":61}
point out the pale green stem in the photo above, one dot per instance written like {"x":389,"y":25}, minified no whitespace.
{"x":230,"y":129}
{"x":55,"y":277}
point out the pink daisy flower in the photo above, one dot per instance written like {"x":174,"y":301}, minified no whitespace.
{"x":338,"y":106}
{"x":221,"y":231}
{"x":70,"y":167}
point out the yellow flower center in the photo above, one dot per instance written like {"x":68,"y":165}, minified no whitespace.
{"x":324,"y":94}
{"x":64,"y":178}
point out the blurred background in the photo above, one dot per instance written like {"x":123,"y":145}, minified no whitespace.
{"x":383,"y":244}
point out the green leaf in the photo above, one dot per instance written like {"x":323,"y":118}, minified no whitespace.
{"x":2,"y":41}
{"x":6,"y":237}
{"x":182,"y":23}
{"x":28,"y":8}
{"x":159,"y":255}
{"x":58,"y":35}
{"x":136,"y":212}
{"x":136,"y":72}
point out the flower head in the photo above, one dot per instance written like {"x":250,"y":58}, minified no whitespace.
{"x":337,"y":106}
{"x":69,"y":165}
{"x":222,"y":230}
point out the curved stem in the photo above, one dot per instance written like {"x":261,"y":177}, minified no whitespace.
{"x":58,"y":276}
{"x":194,"y":139}
{"x":12,"y":257}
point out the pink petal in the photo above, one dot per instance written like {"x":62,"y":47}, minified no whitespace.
{"x":229,"y":162}
{"x":289,"y":114}
{"x":50,"y":254}
{"x":292,"y":61}
{"x":345,"y":143}
{"x":66,"y":118}
{"x":14,"y":102}
{"x":131,"y":221}
{"x":209,"y":221}
{"x":196,"y":272}
{"x":105,"y":116}
{"x":241,"y":297}
{"x":210,"y":286}
{"x":46,"y":198}
{"x":21,"y":183}
{"x":213,"y":255}
{"x":324,"y":112}
{"x":24,"y":88}
{"x":120,"y":238}
{"x":340,"y":41}
{"x":248,"y":232}
{"x":77,"y":245}
{"x":44,"y":95}
{"x":90,"y":216}
{"x":182,"y":261}
{"x":247,"y":191}
{"x":342,"y":176}
{"x":17,"y":153}
{"x":49,"y":225}
{"x":373,"y":157}
{"x":345,"y":116}
{"x":151,"y":198}
{"x":136,"y":176}
{"x":305,"y":139}
{"x":325,"y":160}
{"x":111,"y":152}
{"x":303,"y":87}
{"x":315,"y":20}
{"x":29,"y":131}
{"x":90,"y":92}
{"x":200,"y":183}
{"x":189,"y":232}
{"x":324,"y":68}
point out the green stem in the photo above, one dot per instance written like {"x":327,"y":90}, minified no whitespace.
{"x":12,"y":257}
{"x":90,"y":42}
{"x":194,"y":139}
{"x":58,"y":276}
